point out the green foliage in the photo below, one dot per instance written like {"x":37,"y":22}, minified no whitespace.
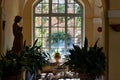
{"x":36,"y":58}
{"x":31,"y":58}
{"x":88,"y":60}
{"x":57,"y":36}
{"x":11,"y":63}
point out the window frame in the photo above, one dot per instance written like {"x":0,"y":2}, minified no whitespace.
{"x":57,"y":15}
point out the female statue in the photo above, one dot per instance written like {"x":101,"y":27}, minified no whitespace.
{"x":18,"y":36}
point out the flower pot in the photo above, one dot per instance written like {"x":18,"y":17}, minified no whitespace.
{"x":86,"y":77}
{"x":12,"y":77}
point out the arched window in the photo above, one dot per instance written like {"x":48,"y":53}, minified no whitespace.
{"x":57,"y":24}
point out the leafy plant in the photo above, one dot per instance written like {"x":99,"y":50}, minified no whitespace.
{"x":36,"y":58}
{"x":12,"y":63}
{"x":87,"y":60}
{"x":57,"y":36}
{"x":31,"y":58}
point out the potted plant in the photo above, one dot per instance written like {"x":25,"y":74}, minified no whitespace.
{"x":31,"y":59}
{"x":57,"y":56}
{"x":36,"y":58}
{"x":12,"y":66}
{"x":87,"y":61}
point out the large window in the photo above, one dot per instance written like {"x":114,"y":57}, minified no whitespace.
{"x":57,"y":24}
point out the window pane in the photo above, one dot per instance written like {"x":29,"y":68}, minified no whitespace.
{"x":45,"y":8}
{"x":39,"y":42}
{"x":70,"y":1}
{"x":61,"y":8}
{"x":38,"y":9}
{"x":45,"y":32}
{"x":37,"y":32}
{"x":78,"y":36}
{"x":44,"y":1}
{"x":78,"y":21}
{"x":54,"y":1}
{"x":62,"y":1}
{"x":41,"y":21}
{"x":54,"y":21}
{"x":37,"y":21}
{"x":78,"y":9}
{"x":70,"y":8}
{"x":70,"y":21}
{"x":61,"y":21}
{"x":70,"y":31}
{"x":54,"y":8}
{"x":45,"y":43}
{"x":45,"y":21}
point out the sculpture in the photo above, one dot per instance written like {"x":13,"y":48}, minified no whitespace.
{"x":18,"y":36}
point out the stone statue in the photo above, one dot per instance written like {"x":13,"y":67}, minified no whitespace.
{"x":18,"y":36}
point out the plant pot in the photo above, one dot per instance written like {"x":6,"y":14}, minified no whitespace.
{"x":13,"y":77}
{"x":86,"y":77}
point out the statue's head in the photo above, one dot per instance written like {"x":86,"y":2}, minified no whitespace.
{"x":17,"y":18}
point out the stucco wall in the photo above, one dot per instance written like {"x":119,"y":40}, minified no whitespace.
{"x":0,"y":29}
{"x":114,"y":43}
{"x":10,"y":11}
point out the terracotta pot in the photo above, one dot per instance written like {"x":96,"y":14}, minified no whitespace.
{"x":86,"y":77}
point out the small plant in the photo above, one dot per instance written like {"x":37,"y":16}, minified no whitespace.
{"x":57,"y":55}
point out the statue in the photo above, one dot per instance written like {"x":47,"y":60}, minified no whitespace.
{"x":18,"y":36}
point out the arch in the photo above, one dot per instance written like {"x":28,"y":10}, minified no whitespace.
{"x":27,"y":21}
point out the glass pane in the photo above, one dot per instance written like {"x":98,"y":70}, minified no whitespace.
{"x":54,"y":21}
{"x":54,"y":37}
{"x":45,"y":43}
{"x":38,"y":9}
{"x":39,"y":42}
{"x":41,"y":21}
{"x":58,"y":39}
{"x":70,"y":31}
{"x":73,"y":40}
{"x":61,"y":8}
{"x":45,"y":32}
{"x":78,"y":21}
{"x":37,"y":21}
{"x":45,"y":21}
{"x":70,"y":8}
{"x":70,"y":1}
{"x":54,"y":1}
{"x":37,"y":32}
{"x":78,"y":9}
{"x":70,"y":21}
{"x":61,"y":21}
{"x":54,"y":8}
{"x":69,"y":38}
{"x":44,"y":1}
{"x":45,"y":8}
{"x":78,"y":36}
{"x":62,"y":1}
